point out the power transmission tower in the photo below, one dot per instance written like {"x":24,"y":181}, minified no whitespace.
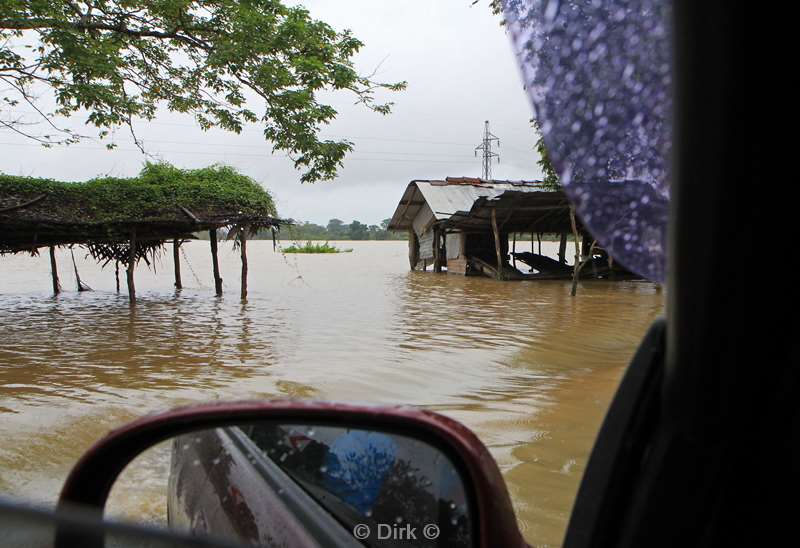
{"x":486,"y":151}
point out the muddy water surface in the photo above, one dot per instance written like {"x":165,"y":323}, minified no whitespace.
{"x":530,"y":369}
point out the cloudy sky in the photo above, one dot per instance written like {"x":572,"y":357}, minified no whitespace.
{"x":460,"y":71}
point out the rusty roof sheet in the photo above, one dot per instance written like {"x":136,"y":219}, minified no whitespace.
{"x":452,"y":195}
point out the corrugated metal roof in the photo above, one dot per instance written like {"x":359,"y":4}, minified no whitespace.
{"x":450,"y":196}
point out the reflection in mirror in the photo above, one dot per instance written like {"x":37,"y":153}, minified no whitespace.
{"x":23,"y":526}
{"x":278,"y":484}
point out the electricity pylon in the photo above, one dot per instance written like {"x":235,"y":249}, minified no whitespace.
{"x":486,"y":151}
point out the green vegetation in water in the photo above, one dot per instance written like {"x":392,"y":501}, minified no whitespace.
{"x":311,"y":247}
{"x":158,"y":188}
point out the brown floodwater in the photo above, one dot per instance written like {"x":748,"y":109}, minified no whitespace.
{"x":529,"y":368}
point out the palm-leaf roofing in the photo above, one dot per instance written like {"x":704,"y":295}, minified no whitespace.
{"x":162,"y":203}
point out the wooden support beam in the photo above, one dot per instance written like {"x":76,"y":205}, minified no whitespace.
{"x":586,"y":245}
{"x":243,"y":249}
{"x":575,"y":268}
{"x":497,"y":248}
{"x":532,"y":250}
{"x":413,"y":249}
{"x":443,"y":250}
{"x":408,"y":204}
{"x":176,"y":259}
{"x":189,"y":214}
{"x":212,"y":234}
{"x":116,"y":273}
{"x":514,"y":249}
{"x":539,"y":239}
{"x":54,"y":271}
{"x":24,"y":204}
{"x":562,"y":249}
{"x":81,"y":286}
{"x":437,"y":250}
{"x":131,"y":265}
{"x":579,"y":267}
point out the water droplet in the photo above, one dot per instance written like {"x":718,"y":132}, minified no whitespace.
{"x":551,"y":10}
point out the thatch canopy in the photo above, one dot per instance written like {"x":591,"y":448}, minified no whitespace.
{"x":162,"y":203}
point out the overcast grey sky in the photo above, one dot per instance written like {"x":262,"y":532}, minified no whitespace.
{"x":460,"y":70}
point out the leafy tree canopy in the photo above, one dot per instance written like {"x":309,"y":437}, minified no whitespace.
{"x":549,"y":175}
{"x":358,"y":230}
{"x":122,"y":59}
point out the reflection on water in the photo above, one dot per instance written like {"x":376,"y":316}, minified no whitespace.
{"x":525,"y":365}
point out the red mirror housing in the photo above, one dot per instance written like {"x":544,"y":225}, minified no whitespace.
{"x":90,"y":481}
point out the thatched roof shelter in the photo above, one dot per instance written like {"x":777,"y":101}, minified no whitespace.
{"x":125,"y":219}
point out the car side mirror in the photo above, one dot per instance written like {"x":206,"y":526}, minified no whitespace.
{"x":302,"y":474}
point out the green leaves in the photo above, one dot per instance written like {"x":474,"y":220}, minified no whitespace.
{"x":550,"y":178}
{"x":159,"y":190}
{"x":123,"y":59}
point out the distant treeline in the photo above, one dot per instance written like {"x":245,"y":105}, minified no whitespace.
{"x":336,"y":229}
{"x":302,"y":231}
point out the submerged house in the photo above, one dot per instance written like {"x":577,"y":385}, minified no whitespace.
{"x":462,"y":225}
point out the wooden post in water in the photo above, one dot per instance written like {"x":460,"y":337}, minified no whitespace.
{"x":497,"y":248}
{"x":539,"y":239}
{"x":413,"y":249}
{"x":576,"y":267}
{"x":243,"y":248}
{"x":116,"y":273}
{"x":437,"y":249}
{"x":586,"y":246}
{"x":562,"y":249}
{"x":514,"y":249}
{"x":54,"y":271}
{"x":176,"y":259}
{"x":443,"y":251}
{"x":215,"y":261}
{"x":131,"y":265}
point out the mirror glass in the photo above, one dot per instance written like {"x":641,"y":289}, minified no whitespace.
{"x":280,"y":484}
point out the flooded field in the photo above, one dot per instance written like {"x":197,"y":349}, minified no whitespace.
{"x":530,"y":369}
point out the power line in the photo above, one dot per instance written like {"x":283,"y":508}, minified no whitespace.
{"x":242,"y":154}
{"x":486,"y":152}
{"x":255,"y":129}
